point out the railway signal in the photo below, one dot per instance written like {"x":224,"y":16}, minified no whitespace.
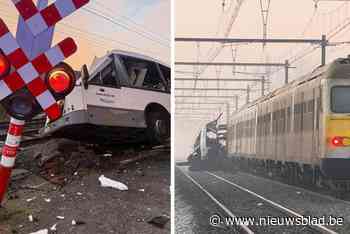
{"x":23,"y":91}
{"x":4,"y":65}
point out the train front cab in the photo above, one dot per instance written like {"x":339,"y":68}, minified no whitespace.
{"x":336,"y":161}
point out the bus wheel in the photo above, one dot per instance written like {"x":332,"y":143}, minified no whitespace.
{"x":158,"y":127}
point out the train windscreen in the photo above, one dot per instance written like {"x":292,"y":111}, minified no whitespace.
{"x":340,"y":99}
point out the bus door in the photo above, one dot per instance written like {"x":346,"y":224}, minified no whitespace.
{"x":104,"y":94}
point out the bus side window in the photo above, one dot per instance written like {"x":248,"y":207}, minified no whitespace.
{"x":143,"y":74}
{"x":153,"y":79}
{"x":166,"y":73}
{"x":96,"y":80}
{"x":109,"y":76}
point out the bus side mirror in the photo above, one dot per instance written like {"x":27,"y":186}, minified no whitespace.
{"x":85,"y":76}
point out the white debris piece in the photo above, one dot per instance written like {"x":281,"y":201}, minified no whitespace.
{"x":74,"y":222}
{"x":44,"y":231}
{"x":31,"y":199}
{"x":54,"y":227}
{"x":79,"y":194}
{"x":141,"y":190}
{"x":60,"y":217}
{"x":107,"y":155}
{"x":47,"y":200}
{"x":31,"y":218}
{"x":106,"y":182}
{"x":260,"y":204}
{"x":298,"y":192}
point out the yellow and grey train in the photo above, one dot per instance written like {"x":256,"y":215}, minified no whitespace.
{"x":300,"y":131}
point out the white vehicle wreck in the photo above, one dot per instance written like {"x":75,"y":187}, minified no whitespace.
{"x":123,"y":98}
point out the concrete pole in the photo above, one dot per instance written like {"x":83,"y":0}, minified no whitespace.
{"x":227,"y":113}
{"x":286,"y":67}
{"x":236,"y":103}
{"x":248,"y":94}
{"x":262,"y":86}
{"x":323,"y":48}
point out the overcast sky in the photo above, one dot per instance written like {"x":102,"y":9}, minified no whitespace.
{"x":151,"y":17}
{"x":287,"y":19}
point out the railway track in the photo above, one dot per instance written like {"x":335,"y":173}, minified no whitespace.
{"x":226,"y":194}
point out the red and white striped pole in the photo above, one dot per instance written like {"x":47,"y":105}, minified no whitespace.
{"x":9,"y":153}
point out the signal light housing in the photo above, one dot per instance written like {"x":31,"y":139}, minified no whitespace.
{"x":61,"y":80}
{"x":22,"y":105}
{"x":4,"y":65}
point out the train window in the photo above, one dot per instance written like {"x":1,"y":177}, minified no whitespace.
{"x":310,"y":106}
{"x":304,"y":110}
{"x":318,"y":113}
{"x":340,"y":96}
{"x":296,"y":109}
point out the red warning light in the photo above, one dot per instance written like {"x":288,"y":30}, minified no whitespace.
{"x":338,"y":141}
{"x":4,"y":65}
{"x":61,"y":80}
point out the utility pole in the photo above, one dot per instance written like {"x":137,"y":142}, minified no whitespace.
{"x":262,"y":86}
{"x":236,"y":103}
{"x":286,"y":67}
{"x":227,"y":113}
{"x":248,"y":94}
{"x":323,"y":49}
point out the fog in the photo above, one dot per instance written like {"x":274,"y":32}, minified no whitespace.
{"x":287,"y":19}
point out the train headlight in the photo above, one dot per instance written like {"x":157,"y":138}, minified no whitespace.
{"x":61,"y":80}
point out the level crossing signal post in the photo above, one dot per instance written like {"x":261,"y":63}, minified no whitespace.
{"x":29,"y":86}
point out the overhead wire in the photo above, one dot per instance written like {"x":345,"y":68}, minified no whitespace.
{"x":94,"y":38}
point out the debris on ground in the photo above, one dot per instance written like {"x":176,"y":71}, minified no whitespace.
{"x":160,"y":221}
{"x":54,"y":227}
{"x":106,"y":182}
{"x":19,"y":174}
{"x":30,"y":199}
{"x":77,"y":222}
{"x":44,"y":231}
{"x":65,"y":185}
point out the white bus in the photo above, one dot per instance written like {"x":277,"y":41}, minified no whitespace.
{"x":125,"y":99}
